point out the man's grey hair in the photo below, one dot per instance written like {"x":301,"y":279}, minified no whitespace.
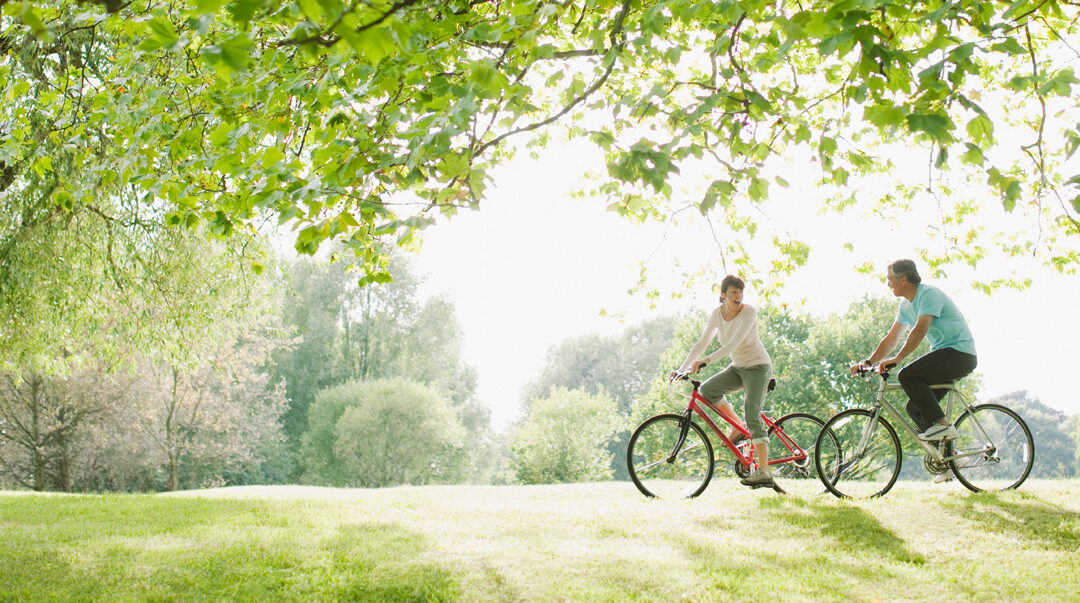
{"x":906,"y":269}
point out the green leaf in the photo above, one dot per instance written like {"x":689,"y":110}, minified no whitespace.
{"x":241,"y":10}
{"x":936,"y":126}
{"x":1011,"y":194}
{"x":203,"y":7}
{"x":981,"y":130}
{"x":759,"y":189}
{"x":31,"y":18}
{"x":161,"y":33}
{"x":719,"y":190}
{"x":802,"y":134}
{"x":1010,"y":46}
{"x":231,"y":56}
{"x":1061,"y":84}
{"x":884,"y":115}
{"x":827,"y":146}
{"x":375,"y":44}
{"x":312,"y":8}
{"x":64,"y":199}
{"x":974,"y":155}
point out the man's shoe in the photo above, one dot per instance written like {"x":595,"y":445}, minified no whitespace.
{"x":941,"y":478}
{"x":737,"y":437}
{"x":758,"y":479}
{"x":939,"y":433}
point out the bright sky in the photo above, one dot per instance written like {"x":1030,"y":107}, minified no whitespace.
{"x":534,"y":267}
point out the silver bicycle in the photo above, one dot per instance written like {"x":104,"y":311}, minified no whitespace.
{"x":858,"y":453}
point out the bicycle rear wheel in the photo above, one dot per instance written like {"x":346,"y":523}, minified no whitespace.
{"x":995,"y":447}
{"x":657,"y":473}
{"x":791,"y":452}
{"x":855,"y":459}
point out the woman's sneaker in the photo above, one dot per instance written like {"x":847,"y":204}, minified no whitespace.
{"x":939,"y":432}
{"x":758,"y":479}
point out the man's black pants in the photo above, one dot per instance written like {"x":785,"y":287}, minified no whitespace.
{"x":936,"y":368}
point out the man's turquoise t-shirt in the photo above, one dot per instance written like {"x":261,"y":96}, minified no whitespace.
{"x":948,"y":329}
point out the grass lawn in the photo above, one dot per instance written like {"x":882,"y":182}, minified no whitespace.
{"x":584,"y":542}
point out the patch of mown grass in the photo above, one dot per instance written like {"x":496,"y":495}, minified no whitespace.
{"x":159,"y":548}
{"x":586,"y":542}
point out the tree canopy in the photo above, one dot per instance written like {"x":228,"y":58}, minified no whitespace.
{"x":364,"y":120}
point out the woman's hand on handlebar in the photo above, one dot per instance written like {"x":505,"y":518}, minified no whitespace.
{"x":678,"y":375}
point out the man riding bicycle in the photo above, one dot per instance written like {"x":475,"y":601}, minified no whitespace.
{"x":931,"y":315}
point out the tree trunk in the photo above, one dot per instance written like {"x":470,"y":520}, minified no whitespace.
{"x":172,"y":448}
{"x":174,"y":478}
{"x":37,"y":391}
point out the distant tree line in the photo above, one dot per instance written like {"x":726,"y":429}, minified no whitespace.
{"x":297,"y":375}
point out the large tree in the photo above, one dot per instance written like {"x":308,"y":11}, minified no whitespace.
{"x":365,"y":119}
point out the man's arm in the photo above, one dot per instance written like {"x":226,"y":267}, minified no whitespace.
{"x":886,"y":345}
{"x":914,"y":338}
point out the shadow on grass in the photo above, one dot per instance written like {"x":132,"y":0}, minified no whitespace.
{"x":852,"y":528}
{"x":1023,"y":516}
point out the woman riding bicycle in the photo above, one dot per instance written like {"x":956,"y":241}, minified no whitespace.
{"x":734,"y":325}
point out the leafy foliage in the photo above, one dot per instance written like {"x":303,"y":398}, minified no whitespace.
{"x":382,"y":433}
{"x":565,"y":438}
{"x":362,"y":121}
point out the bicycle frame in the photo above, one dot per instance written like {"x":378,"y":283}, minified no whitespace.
{"x":697,"y":404}
{"x":881,"y":403}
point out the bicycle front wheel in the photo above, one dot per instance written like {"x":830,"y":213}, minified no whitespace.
{"x":994,"y":450}
{"x":658,"y":469}
{"x":856,"y":458}
{"x":791,"y":452}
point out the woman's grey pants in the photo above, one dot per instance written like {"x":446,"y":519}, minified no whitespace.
{"x":753,"y":380}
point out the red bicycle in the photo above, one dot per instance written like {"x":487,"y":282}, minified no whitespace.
{"x":670,"y":456}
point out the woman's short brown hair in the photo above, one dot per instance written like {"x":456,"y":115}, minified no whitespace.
{"x":731,"y":281}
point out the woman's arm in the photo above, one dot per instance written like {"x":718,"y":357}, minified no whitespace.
{"x":702,"y":343}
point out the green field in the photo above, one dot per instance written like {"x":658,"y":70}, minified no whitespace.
{"x":588,"y":542}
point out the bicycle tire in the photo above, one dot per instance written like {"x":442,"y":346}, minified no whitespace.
{"x":802,"y":429}
{"x":1006,"y":460}
{"x":685,"y":476}
{"x":848,"y":475}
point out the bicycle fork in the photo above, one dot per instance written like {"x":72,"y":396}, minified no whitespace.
{"x":682,"y":436}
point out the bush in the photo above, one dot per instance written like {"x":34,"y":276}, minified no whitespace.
{"x":382,"y":433}
{"x":566,"y":438}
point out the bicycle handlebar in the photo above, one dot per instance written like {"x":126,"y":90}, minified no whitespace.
{"x":684,"y":375}
{"x":864,"y":370}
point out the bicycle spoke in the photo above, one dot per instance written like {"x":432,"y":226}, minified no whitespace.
{"x":994,"y":450}
{"x":650,"y":462}
{"x":855,"y":458}
{"x":791,"y":452}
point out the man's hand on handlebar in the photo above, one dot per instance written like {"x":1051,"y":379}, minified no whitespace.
{"x":888,"y":364}
{"x":882,"y":368}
